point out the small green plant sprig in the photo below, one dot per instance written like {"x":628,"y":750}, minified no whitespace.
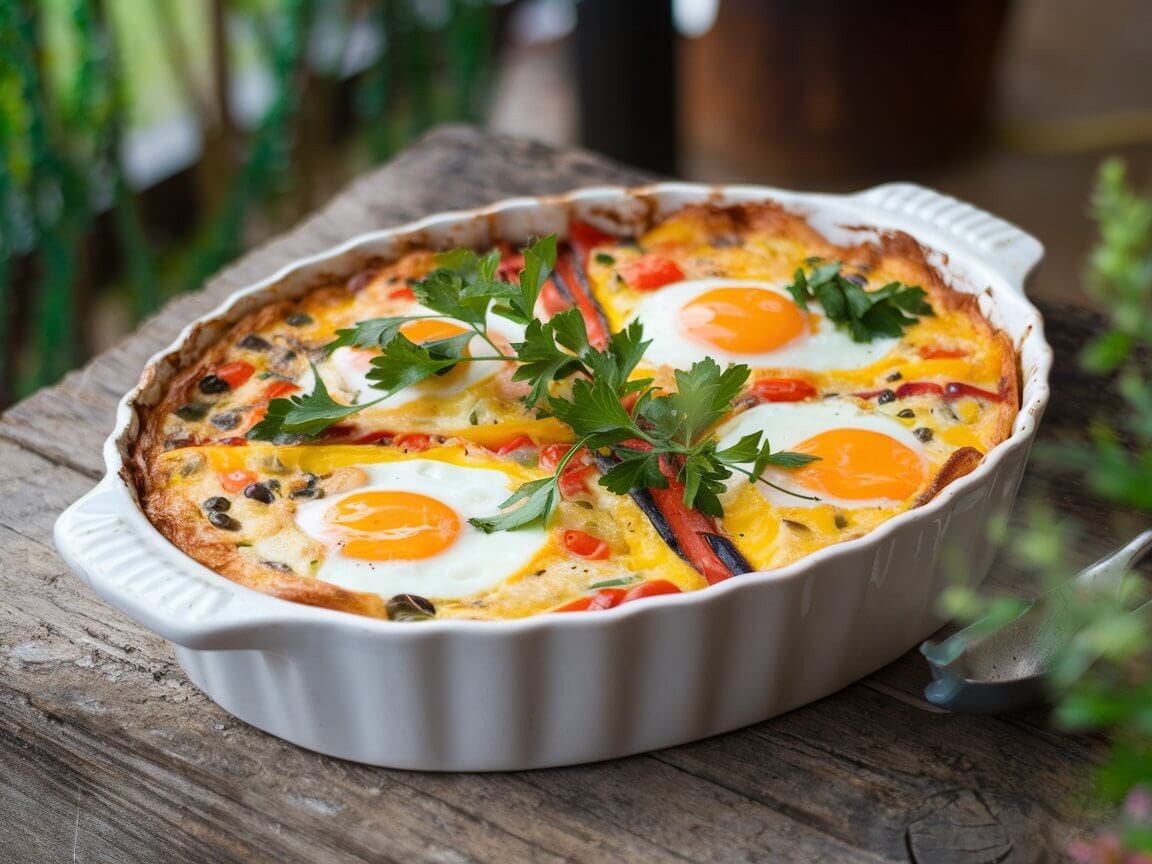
{"x":864,"y":315}
{"x":672,"y":428}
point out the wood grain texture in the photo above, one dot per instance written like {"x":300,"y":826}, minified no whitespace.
{"x":107,"y":753}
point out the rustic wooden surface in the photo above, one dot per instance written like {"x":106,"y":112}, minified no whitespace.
{"x":108,"y":754}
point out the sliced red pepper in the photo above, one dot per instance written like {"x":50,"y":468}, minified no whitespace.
{"x":551,"y":300}
{"x":585,"y":545}
{"x":688,"y":525}
{"x":234,"y":374}
{"x":955,"y":390}
{"x":380,"y":436}
{"x":587,"y":237}
{"x":235,"y":481}
{"x":234,"y":441}
{"x":782,"y":390}
{"x":551,"y":454}
{"x":573,"y":481}
{"x":628,"y":401}
{"x":606,"y":598}
{"x":511,"y":263}
{"x":580,"y":605}
{"x":416,"y":441}
{"x":517,"y":443}
{"x":649,"y":272}
{"x":280,"y":388}
{"x":939,"y":352}
{"x":651,"y":588}
{"x":594,"y":321}
{"x":402,"y":293}
{"x":919,"y":388}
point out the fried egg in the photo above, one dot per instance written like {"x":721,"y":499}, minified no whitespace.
{"x":346,"y":369}
{"x":747,"y":321}
{"x":407,"y":530}
{"x":865,"y":459}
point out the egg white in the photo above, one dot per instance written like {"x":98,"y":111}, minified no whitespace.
{"x":474,"y":562}
{"x":827,"y":348}
{"x":786,"y":424}
{"x":342,"y":372}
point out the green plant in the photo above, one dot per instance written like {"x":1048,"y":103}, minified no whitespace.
{"x":1100,"y":677}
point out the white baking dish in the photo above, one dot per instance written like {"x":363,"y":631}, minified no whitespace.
{"x":560,"y":689}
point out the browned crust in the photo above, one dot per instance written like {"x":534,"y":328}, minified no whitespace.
{"x":183,"y":524}
{"x":959,"y":464}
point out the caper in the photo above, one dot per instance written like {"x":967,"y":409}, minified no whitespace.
{"x":895,"y":376}
{"x":213,"y":384}
{"x":217,"y":503}
{"x":298,"y":319}
{"x":259,"y":492}
{"x":923,"y":433}
{"x":410,"y":607}
{"x":223,"y":520}
{"x":907,"y":414}
{"x":885,"y":397}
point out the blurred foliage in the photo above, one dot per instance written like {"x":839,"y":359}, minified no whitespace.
{"x":262,"y":84}
{"x":1100,"y":677}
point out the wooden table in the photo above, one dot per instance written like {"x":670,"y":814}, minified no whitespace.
{"x":108,"y":754}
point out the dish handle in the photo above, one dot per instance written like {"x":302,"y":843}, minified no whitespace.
{"x":106,"y":540}
{"x":1009,"y":251}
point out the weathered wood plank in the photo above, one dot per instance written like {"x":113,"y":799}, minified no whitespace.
{"x":108,"y":751}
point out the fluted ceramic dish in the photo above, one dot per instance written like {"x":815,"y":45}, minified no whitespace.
{"x":562,"y":689}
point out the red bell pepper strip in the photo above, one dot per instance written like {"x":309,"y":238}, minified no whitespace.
{"x":956,"y":390}
{"x":919,"y":388}
{"x":585,"y":545}
{"x":782,"y":390}
{"x":517,"y":443}
{"x":585,"y":238}
{"x":649,"y":272}
{"x":577,"y":285}
{"x":413,"y":441}
{"x":236,"y":373}
{"x":651,"y":588}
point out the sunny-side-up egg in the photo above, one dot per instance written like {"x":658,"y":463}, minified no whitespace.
{"x":346,"y":369}
{"x":870,"y":467}
{"x":864,"y":458}
{"x":406,"y":531}
{"x":746,"y":321}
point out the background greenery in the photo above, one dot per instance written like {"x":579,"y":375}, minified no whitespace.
{"x":276,"y":103}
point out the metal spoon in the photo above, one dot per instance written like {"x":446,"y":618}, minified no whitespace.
{"x":981,"y":672}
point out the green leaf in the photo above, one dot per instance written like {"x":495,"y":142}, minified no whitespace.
{"x":594,"y":412}
{"x":541,"y":360}
{"x":864,"y":315}
{"x":788,"y":459}
{"x":531,"y":504}
{"x":403,"y":363}
{"x":636,"y":470}
{"x":703,"y":395}
{"x":372,"y":333}
{"x":308,"y":414}
{"x":539,"y":259}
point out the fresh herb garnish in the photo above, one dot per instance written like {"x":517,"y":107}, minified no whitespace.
{"x":865,"y":315}
{"x":661,"y":432}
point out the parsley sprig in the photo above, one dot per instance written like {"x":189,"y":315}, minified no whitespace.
{"x":662,"y":431}
{"x":865,"y":315}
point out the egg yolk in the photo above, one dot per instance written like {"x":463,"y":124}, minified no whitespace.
{"x":742,"y":320}
{"x":426,"y":330}
{"x":858,"y":464}
{"x":385,"y":525}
